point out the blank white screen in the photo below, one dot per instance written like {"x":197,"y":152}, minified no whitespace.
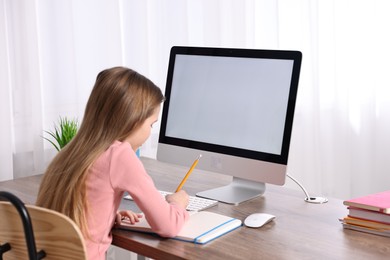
{"x":229,"y":101}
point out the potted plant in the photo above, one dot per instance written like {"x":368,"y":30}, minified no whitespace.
{"x":63,"y":133}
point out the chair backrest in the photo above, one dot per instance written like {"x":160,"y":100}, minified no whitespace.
{"x":56,"y":234}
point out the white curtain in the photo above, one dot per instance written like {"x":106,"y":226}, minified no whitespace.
{"x":52,"y":50}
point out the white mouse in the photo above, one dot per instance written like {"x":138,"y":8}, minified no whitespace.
{"x":257,"y":220}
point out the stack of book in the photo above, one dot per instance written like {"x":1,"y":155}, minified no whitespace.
{"x":369,"y":214}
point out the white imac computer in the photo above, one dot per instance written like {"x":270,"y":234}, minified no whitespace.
{"x":235,"y":107}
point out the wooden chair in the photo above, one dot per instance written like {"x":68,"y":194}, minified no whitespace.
{"x":31,"y":232}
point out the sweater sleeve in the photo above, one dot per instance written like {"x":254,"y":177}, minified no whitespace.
{"x":128,"y":174}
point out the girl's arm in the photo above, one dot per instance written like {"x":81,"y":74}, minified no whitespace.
{"x":128,"y":174}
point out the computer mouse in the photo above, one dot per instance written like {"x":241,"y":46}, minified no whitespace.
{"x":257,"y":220}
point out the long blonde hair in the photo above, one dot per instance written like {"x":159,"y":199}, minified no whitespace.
{"x":120,"y":101}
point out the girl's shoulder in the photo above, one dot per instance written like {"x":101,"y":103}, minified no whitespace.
{"x":116,"y":150}
{"x":118,"y":145}
{"x":121,"y":149}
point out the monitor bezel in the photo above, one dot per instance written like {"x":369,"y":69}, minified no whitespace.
{"x":281,"y":158}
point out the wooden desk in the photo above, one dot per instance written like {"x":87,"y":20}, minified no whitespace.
{"x":300,"y":231}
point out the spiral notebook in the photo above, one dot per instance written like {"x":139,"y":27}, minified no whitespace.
{"x":202,"y":227}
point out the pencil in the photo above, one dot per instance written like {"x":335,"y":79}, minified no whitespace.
{"x":188,"y":173}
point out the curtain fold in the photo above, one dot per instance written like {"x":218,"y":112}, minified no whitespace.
{"x":6,"y":171}
{"x":51,"y":52}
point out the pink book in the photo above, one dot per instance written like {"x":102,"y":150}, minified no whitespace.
{"x":377,"y":202}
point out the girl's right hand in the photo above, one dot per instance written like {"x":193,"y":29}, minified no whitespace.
{"x":180,"y":198}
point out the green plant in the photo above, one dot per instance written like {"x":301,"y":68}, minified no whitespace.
{"x":63,"y":133}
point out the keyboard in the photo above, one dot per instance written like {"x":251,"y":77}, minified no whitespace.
{"x":195,"y":203}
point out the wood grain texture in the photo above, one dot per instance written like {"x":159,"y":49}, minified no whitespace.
{"x":54,"y":233}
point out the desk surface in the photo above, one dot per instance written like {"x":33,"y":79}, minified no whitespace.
{"x":300,"y":231}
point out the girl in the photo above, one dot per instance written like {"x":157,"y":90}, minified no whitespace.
{"x":88,"y":177}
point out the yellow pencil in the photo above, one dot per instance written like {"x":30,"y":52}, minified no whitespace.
{"x":188,"y":173}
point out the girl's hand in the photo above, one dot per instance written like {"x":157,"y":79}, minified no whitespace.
{"x":128,"y":215}
{"x":180,"y":198}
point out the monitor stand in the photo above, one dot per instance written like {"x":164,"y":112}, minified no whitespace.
{"x":239,"y":190}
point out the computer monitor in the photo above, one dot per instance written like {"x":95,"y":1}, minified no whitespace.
{"x":235,"y":107}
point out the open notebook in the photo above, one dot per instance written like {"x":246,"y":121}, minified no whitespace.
{"x":202,"y":227}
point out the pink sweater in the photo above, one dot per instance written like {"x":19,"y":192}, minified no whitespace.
{"x":117,"y":170}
